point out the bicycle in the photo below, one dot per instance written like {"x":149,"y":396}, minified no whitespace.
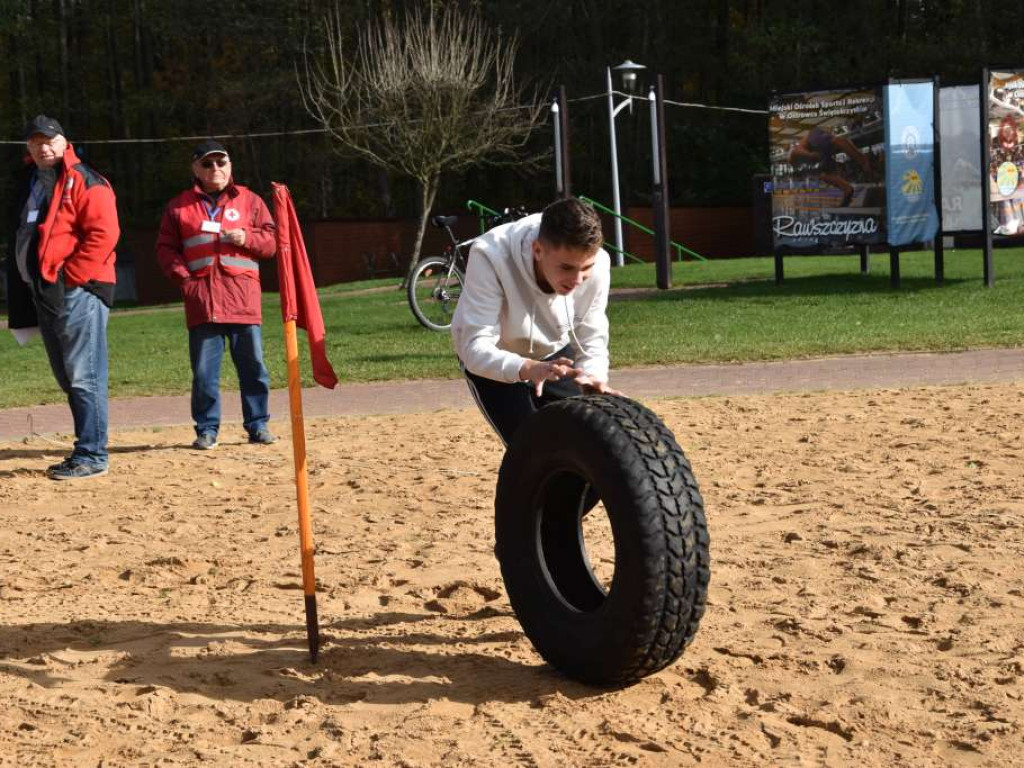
{"x":436,"y":283}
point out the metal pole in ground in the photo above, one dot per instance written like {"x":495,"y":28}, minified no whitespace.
{"x":940,"y":255}
{"x":617,"y":257}
{"x":662,"y":238}
{"x":302,"y":489}
{"x":559,"y":180}
{"x":894,"y":266}
{"x":986,"y":202}
{"x":563,"y":131}
{"x":864,"y":264}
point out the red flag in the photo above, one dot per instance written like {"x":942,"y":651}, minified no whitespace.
{"x":299,"y":301}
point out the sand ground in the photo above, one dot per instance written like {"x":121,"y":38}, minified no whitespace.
{"x":866,"y":605}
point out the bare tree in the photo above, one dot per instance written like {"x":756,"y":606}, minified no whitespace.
{"x":432,"y":92}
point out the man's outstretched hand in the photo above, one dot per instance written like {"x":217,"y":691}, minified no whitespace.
{"x":538,"y":371}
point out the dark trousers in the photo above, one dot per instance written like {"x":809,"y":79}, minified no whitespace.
{"x":507,"y":406}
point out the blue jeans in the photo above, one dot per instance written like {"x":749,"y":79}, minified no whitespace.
{"x":76,"y":344}
{"x":206,"y":350}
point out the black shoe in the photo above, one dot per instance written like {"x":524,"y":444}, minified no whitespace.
{"x":262,"y":436}
{"x":205,"y":442}
{"x":76,"y":470}
{"x":60,"y":466}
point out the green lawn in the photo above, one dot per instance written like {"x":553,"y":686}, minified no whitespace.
{"x":726,"y":310}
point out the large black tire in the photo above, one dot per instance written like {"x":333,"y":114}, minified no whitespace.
{"x":662,"y":563}
{"x":433,"y":293}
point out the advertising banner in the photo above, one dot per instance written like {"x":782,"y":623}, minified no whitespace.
{"x":1006,"y":152}
{"x":827,"y":160}
{"x":960,"y":132}
{"x":910,"y":162}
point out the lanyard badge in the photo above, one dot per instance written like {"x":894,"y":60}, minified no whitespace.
{"x":211,"y":224}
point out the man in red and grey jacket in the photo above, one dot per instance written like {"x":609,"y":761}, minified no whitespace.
{"x":210,"y":238}
{"x":60,"y":277}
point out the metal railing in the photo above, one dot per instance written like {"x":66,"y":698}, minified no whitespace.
{"x":482,"y":213}
{"x":680,"y":248}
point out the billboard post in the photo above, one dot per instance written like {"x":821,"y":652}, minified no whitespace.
{"x":940,"y":256}
{"x":986,"y":194}
{"x":1002,"y":152}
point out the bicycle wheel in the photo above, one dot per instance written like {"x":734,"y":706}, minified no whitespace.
{"x":434,"y":292}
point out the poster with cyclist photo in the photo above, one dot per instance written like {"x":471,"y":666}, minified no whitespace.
{"x":828,"y":168}
{"x":1006,"y":152}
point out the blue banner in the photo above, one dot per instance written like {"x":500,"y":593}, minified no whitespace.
{"x":910,"y":156}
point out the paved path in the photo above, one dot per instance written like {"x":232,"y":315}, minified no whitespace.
{"x":846,"y":372}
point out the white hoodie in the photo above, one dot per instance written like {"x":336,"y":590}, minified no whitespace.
{"x":503,"y":317}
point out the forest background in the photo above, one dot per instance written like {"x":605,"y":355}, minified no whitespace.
{"x":141,"y":69}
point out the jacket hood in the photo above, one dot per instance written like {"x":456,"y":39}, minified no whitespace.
{"x":70,"y":158}
{"x":522,"y":233}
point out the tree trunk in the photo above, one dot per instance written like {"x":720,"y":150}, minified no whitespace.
{"x":384,"y":191}
{"x":41,"y":81}
{"x":63,"y":12}
{"x":981,"y":21}
{"x":116,"y":115}
{"x":721,"y":69}
{"x":137,"y":44}
{"x":428,"y":191}
{"x":145,"y":124}
{"x":901,"y":20}
{"x":18,"y":84}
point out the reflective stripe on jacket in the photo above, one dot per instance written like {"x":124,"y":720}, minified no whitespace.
{"x":219,"y":280}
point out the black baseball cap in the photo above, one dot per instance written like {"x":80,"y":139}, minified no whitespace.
{"x":208,"y":147}
{"x":44,"y":125}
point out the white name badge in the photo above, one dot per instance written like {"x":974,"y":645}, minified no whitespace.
{"x":33,"y":216}
{"x":211,"y":226}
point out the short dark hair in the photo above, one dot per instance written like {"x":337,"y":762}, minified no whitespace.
{"x":571,"y":223}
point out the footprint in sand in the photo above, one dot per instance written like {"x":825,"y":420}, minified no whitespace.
{"x":461,"y":597}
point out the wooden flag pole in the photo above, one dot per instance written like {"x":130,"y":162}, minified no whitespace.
{"x":291,"y":346}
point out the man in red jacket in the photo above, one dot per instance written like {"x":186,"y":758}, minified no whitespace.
{"x":210,"y":238}
{"x":61,"y":279}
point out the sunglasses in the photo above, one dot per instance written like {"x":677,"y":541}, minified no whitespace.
{"x":219,"y":163}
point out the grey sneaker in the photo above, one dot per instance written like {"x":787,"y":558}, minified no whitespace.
{"x":205,"y":442}
{"x":262,"y":436}
{"x":75,"y":470}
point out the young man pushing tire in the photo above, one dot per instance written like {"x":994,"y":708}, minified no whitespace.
{"x":531,"y":333}
{"x":531,"y":326}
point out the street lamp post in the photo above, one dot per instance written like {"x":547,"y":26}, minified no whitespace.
{"x":559,"y":179}
{"x":629,"y":71}
{"x":560,"y":120}
{"x":659,"y":200}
